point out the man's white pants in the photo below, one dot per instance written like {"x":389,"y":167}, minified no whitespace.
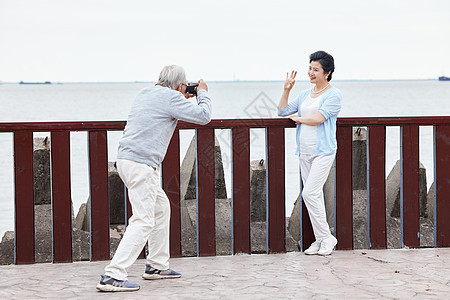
{"x":149,"y":222}
{"x":314,"y":170}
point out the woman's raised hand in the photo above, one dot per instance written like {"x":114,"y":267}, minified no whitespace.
{"x":290,"y":80}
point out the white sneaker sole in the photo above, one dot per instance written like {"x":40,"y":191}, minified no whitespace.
{"x":159,"y":276}
{"x":325,"y":253}
{"x":111,"y":288}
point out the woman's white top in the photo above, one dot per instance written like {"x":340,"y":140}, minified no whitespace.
{"x":308,"y":133}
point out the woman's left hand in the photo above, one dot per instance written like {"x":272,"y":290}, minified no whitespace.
{"x":296,"y":119}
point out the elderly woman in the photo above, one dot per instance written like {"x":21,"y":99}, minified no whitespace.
{"x":316,"y":110}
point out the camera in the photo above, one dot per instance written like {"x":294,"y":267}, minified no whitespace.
{"x":191,"y":88}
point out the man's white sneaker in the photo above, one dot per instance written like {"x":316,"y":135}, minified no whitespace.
{"x":313,"y":249}
{"x":327,"y":245}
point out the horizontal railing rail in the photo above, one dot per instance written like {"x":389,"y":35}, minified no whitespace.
{"x":221,"y":123}
{"x":240,"y":141}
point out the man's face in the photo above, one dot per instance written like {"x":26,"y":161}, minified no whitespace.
{"x":182,"y":88}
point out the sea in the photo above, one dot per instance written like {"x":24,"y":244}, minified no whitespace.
{"x":235,"y":99}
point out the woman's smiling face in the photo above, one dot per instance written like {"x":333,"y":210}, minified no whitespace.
{"x":316,"y":73}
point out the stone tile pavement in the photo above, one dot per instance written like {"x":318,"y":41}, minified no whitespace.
{"x":358,"y":274}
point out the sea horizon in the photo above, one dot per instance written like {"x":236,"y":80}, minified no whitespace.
{"x":211,"y":81}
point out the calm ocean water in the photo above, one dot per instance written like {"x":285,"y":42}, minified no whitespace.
{"x":105,"y":101}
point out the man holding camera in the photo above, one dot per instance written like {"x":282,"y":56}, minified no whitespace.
{"x":150,"y":126}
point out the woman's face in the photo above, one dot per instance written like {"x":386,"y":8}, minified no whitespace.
{"x":316,"y":73}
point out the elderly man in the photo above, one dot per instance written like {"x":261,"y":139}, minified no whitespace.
{"x":150,"y":126}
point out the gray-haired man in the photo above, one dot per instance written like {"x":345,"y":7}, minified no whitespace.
{"x":150,"y":126}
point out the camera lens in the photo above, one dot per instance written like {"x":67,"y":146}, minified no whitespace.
{"x":191,"y":88}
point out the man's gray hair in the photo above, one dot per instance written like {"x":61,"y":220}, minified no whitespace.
{"x":172,"y":76}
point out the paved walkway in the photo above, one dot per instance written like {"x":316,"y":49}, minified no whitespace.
{"x":358,"y":274}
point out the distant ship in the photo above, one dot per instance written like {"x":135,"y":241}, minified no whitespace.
{"x":444,"y":78}
{"x":45,"y":82}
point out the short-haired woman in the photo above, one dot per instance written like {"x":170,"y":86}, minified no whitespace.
{"x":317,"y":108}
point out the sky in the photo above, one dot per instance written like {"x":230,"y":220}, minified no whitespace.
{"x":121,"y":41}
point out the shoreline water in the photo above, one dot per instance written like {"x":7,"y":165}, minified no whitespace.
{"x":106,"y":102}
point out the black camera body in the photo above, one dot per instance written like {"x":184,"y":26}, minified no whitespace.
{"x":191,"y":88}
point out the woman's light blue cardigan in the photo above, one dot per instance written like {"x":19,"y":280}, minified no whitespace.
{"x":329,"y":107}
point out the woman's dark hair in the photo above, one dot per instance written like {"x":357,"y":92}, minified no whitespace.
{"x":325,"y":60}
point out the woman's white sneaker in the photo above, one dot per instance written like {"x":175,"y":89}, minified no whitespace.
{"x":327,"y":245}
{"x":313,"y":249}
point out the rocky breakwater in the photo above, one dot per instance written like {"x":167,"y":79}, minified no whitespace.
{"x":43,"y":216}
{"x":223,"y":207}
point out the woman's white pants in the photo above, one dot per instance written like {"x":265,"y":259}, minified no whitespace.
{"x":314,"y":171}
{"x":149,"y":222}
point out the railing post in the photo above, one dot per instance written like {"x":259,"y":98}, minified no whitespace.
{"x":24,"y":198}
{"x":206,"y":231}
{"x":276,"y":222}
{"x":344,"y":189}
{"x":377,"y":186}
{"x":410,"y":185}
{"x":241,"y":190}
{"x":61,"y":196}
{"x":171,"y":186}
{"x":98,"y":175}
{"x":442,"y":184}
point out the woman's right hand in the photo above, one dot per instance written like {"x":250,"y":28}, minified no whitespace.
{"x":290,"y":80}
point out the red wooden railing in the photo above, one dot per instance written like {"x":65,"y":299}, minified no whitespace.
{"x":97,"y":135}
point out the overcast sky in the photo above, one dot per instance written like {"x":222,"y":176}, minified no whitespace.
{"x":111,"y":40}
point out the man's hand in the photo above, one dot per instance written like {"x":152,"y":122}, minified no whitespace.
{"x":202,"y":85}
{"x":187,"y":95}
